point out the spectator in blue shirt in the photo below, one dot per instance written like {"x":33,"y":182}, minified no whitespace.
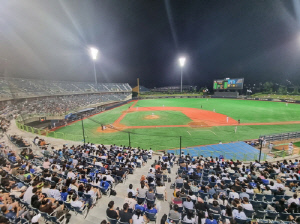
{"x":139,"y":205}
{"x":83,"y":179}
{"x":9,"y":214}
{"x":64,"y":194}
{"x":151,"y":208}
{"x":104,"y":184}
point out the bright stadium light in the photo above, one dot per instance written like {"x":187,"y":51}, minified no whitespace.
{"x":94,"y":54}
{"x":181,"y":61}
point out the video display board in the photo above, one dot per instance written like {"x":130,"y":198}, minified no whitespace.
{"x":228,"y":83}
{"x":235,"y":83}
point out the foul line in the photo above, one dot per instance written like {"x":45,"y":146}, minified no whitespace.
{"x":213,"y":132}
{"x":188,"y":132}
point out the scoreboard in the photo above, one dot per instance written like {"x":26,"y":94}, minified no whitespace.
{"x":228,"y":83}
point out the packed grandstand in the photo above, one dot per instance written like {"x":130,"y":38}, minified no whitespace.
{"x":43,"y":181}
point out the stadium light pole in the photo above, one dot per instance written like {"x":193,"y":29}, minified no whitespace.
{"x":94,"y":55}
{"x":181,"y":64}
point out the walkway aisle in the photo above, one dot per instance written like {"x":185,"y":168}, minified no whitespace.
{"x":98,"y":213}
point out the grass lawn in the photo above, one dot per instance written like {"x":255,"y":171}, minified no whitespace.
{"x":245,"y":110}
{"x":165,"y":118}
{"x":297,"y":144}
{"x":168,"y":138}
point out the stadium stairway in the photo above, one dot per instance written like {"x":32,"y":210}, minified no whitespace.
{"x":238,"y":150}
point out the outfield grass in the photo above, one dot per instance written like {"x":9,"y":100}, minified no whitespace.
{"x":297,"y":144}
{"x":168,"y":138}
{"x":165,"y":118}
{"x":245,"y":110}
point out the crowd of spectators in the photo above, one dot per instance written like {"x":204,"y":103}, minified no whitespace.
{"x":13,"y":88}
{"x":211,"y":190}
{"x":63,"y":180}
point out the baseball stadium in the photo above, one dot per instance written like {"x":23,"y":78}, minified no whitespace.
{"x":159,"y":123}
{"x":138,"y":112}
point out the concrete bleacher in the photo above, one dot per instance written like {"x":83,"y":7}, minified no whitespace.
{"x":238,"y":150}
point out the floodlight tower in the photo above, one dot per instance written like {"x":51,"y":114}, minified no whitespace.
{"x":181,"y":61}
{"x":94,"y":54}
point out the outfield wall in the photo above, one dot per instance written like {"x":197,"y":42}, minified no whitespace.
{"x":212,"y":96}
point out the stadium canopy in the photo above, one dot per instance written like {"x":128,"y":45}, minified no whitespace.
{"x":84,"y":110}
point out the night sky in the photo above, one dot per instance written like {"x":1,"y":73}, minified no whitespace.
{"x":48,"y":39}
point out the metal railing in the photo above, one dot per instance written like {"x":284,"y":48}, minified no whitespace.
{"x":281,"y":136}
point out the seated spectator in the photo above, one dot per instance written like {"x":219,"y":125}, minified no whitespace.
{"x":54,"y":193}
{"x":130,"y":201}
{"x":189,"y":218}
{"x":174,"y":214}
{"x":246,"y":205}
{"x":239,"y":214}
{"x":131,"y":190}
{"x":139,"y":206}
{"x":210,"y":220}
{"x":232,"y":195}
{"x":292,"y":208}
{"x":188,"y":204}
{"x":151,"y":209}
{"x":137,"y":218}
{"x":244,"y":194}
{"x":160,"y":189}
{"x":293,"y":199}
{"x":142,"y":190}
{"x":64,"y":193}
{"x":214,"y":208}
{"x":104,"y":184}
{"x":267,"y":191}
{"x":227,"y":212}
{"x":125,"y":215}
{"x":150,"y":195}
{"x":111,"y":212}
{"x":76,"y":203}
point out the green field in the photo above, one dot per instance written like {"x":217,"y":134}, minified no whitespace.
{"x":168,"y":138}
{"x":165,"y":118}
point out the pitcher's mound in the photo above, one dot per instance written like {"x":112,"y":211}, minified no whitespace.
{"x":153,"y":116}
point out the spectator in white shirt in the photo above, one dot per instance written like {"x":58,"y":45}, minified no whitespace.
{"x":239,"y":214}
{"x":71,"y":174}
{"x":131,"y":190}
{"x":76,"y":203}
{"x":233,"y":194}
{"x":279,"y":184}
{"x":54,"y":193}
{"x":293,"y":199}
{"x":246,"y":205}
